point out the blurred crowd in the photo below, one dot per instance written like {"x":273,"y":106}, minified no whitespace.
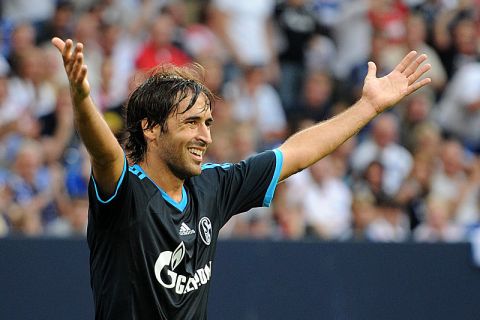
{"x":413,"y":174}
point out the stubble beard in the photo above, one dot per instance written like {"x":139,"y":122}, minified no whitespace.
{"x":181,"y":165}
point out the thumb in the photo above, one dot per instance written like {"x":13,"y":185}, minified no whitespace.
{"x":372,"y":70}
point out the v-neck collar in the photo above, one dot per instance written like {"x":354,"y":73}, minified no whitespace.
{"x":181,"y":205}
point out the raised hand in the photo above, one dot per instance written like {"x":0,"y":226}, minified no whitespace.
{"x":106,"y":154}
{"x":74,"y":67}
{"x":382,"y":93}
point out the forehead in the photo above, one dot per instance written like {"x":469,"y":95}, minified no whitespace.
{"x":200,"y":108}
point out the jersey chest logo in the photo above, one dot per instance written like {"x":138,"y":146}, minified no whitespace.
{"x":166,"y":275}
{"x":205,"y":230}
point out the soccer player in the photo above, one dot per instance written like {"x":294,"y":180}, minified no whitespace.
{"x":155,"y":210}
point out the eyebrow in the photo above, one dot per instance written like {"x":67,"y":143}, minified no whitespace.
{"x":196,"y":118}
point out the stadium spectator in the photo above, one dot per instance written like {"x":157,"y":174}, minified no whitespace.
{"x":289,"y":218}
{"x":160,"y":49}
{"x":456,"y":40}
{"x":388,"y":17}
{"x":363,"y":214}
{"x":316,"y":100}
{"x":60,"y":24}
{"x":350,"y":28}
{"x":458,"y":111}
{"x":438,"y":226}
{"x":415,"y":39}
{"x":416,"y":111}
{"x":118,"y":50}
{"x":22,"y":41}
{"x":9,"y":112}
{"x":86,"y":30}
{"x":215,"y":77}
{"x":201,"y":41}
{"x":74,"y":206}
{"x":370,"y":183}
{"x":359,"y":70}
{"x":433,"y":11}
{"x":427,"y":140}
{"x":415,"y":189}
{"x":256,"y":102}
{"x":44,"y":92}
{"x":57,"y":127}
{"x":33,"y":187}
{"x":325,"y":200}
{"x":382,"y":145}
{"x":453,"y":181}
{"x":298,"y":29}
{"x":178,"y":11}
{"x":247,"y":32}
{"x":341,"y":160}
{"x":390,"y":224}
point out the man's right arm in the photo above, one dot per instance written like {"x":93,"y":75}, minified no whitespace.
{"x":106,"y":154}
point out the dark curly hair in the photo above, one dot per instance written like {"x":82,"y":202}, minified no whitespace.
{"x":156,"y":99}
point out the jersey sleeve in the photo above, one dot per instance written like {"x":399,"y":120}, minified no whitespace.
{"x":247,"y":184}
{"x":110,"y":211}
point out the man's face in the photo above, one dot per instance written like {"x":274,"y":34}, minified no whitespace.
{"x":184,"y":144}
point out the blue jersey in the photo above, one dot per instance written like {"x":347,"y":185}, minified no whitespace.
{"x":152,"y":257}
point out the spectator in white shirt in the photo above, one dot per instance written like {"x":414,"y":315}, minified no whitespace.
{"x":438,"y":226}
{"x":381,"y":145}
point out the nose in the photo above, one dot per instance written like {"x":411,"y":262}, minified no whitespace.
{"x":204,"y":134}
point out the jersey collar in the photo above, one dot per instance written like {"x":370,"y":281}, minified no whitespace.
{"x":180,"y":206}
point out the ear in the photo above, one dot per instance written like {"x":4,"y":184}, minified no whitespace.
{"x":149,"y":133}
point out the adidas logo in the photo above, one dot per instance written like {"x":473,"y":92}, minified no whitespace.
{"x":185,"y":230}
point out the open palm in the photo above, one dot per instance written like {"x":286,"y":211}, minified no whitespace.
{"x":384,"y":92}
{"x":75,"y":67}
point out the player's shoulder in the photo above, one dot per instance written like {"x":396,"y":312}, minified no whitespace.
{"x":212,"y":172}
{"x":209,"y":167}
{"x":138,"y":179}
{"x":218,"y":170}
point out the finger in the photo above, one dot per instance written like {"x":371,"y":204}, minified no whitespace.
{"x":67,"y":56}
{"x":74,"y":55}
{"x":78,"y":49}
{"x":67,"y":49}
{"x":77,"y":66}
{"x":417,"y":85}
{"x":421,"y":71}
{"x":58,"y":43}
{"x":372,"y":70}
{"x":406,"y":61}
{"x":82,"y":75}
{"x":414,"y":66}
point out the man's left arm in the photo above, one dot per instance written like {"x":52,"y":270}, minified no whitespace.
{"x":312,"y":144}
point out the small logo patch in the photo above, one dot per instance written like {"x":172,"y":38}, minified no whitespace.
{"x":205,"y":229}
{"x":185,"y":230}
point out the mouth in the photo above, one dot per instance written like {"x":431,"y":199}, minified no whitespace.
{"x":196,"y":153}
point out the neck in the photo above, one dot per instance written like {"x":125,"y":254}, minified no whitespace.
{"x":163,"y":177}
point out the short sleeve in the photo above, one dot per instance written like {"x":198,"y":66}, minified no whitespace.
{"x":107,"y":211}
{"x":247,"y":184}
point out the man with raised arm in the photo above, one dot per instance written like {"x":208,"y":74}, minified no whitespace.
{"x":154,"y":218}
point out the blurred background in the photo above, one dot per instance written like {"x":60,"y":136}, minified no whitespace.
{"x":277,"y":67}
{"x":412,"y":175}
